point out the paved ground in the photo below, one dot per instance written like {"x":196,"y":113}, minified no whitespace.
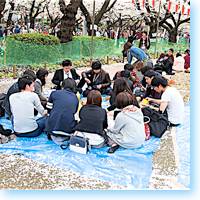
{"x":22,"y":173}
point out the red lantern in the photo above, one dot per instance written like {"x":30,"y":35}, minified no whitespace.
{"x":143,"y":2}
{"x":177,"y":7}
{"x":133,"y":2}
{"x":169,"y":5}
{"x":183,"y":9}
{"x":188,"y":12}
{"x":153,"y":3}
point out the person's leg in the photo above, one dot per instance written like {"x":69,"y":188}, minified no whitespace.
{"x":81,"y":83}
{"x":41,"y":123}
{"x":129,"y":57}
{"x":34,"y":133}
{"x":113,"y":146}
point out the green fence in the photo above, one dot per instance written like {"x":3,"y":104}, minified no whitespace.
{"x":14,"y":52}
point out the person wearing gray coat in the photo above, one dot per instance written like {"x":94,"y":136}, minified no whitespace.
{"x":128,"y":130}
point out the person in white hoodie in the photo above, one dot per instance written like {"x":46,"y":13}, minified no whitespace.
{"x":178,"y":63}
{"x":128,"y":130}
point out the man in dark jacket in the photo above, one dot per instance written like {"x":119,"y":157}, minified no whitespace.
{"x":166,"y":62}
{"x":66,"y":72}
{"x":96,"y":79}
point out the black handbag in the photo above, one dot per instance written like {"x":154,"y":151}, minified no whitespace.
{"x":158,"y":122}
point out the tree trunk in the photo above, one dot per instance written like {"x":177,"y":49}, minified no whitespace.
{"x":2,"y":6}
{"x":66,"y":28}
{"x":173,"y":36}
{"x":12,"y":7}
{"x":104,"y":9}
{"x":68,"y":21}
{"x":9,"y":21}
{"x":32,"y":22}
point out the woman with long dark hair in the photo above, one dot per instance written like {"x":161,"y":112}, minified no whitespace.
{"x":41,"y":75}
{"x":120,"y":85}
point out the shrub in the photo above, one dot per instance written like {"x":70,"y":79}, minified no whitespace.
{"x":86,"y":38}
{"x":35,"y":38}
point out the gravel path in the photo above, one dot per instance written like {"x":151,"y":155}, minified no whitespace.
{"x":18,"y":172}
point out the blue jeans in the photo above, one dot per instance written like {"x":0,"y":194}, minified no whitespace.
{"x":41,"y":126}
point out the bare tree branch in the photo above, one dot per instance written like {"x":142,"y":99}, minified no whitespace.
{"x":85,"y":12}
{"x":168,"y":24}
{"x":62,"y":6}
{"x":184,"y":21}
{"x":111,"y":6}
{"x":166,"y":27}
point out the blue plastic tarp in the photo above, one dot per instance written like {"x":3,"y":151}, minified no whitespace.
{"x":129,"y":168}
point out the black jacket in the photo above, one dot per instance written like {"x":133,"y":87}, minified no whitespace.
{"x":102,"y":78}
{"x":6,"y":104}
{"x":59,"y":77}
{"x":93,"y":119}
{"x":146,"y":43}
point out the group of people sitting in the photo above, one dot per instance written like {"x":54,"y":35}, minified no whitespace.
{"x":165,"y":63}
{"x":24,"y":101}
{"x":170,"y":64}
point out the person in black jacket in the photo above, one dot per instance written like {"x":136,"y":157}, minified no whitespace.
{"x":150,"y":92}
{"x":91,"y":126}
{"x":144,"y":43}
{"x":165,"y":62}
{"x":96,"y":79}
{"x":66,"y":72}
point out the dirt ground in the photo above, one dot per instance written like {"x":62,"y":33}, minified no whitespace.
{"x":18,"y":172}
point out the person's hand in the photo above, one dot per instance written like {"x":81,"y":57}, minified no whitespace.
{"x":77,"y":82}
{"x":45,"y":113}
{"x":149,"y":99}
{"x":143,"y":89}
{"x":99,"y":86}
{"x":87,"y":81}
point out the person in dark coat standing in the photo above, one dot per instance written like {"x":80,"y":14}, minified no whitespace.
{"x":144,"y":43}
{"x":63,"y":104}
{"x":62,"y":74}
{"x":91,"y":125}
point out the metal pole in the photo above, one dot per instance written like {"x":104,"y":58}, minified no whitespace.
{"x":4,"y":62}
{"x":93,"y":19}
{"x":157,"y":28}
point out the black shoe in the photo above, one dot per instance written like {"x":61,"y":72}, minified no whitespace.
{"x":49,"y":136}
{"x":113,"y":149}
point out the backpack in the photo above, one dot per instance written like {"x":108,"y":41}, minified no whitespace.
{"x":2,"y":98}
{"x":158,"y":121}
